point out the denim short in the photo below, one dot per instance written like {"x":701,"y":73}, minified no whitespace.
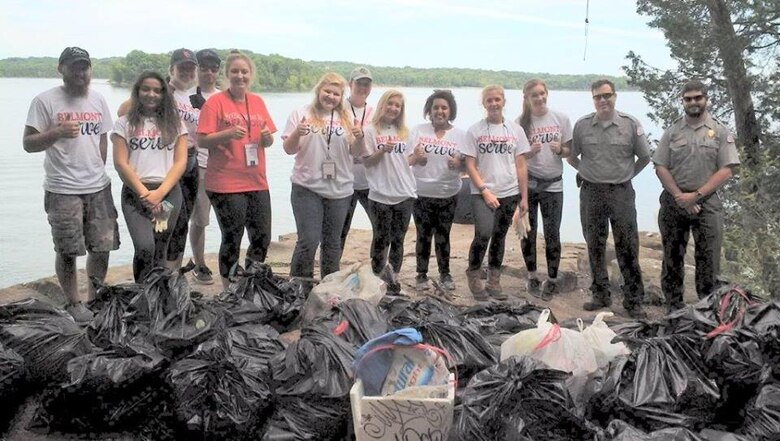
{"x":81,"y":222}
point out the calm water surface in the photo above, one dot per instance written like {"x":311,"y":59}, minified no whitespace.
{"x":26,"y":250}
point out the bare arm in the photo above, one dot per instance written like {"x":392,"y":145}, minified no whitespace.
{"x":35,"y":141}
{"x":358,"y":147}
{"x":718,"y":179}
{"x":522,"y":182}
{"x":640,"y":164}
{"x":565,"y":149}
{"x":104,"y":147}
{"x":573,"y":161}
{"x":122,"y":166}
{"x":665,"y":176}
{"x":476,"y":178}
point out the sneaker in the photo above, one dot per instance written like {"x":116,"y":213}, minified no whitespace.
{"x":387,"y":275}
{"x":636,"y":312}
{"x":534,"y":287}
{"x":422,"y":282}
{"x":549,"y":287}
{"x":80,"y":313}
{"x":598,"y":302}
{"x":202,"y":275}
{"x":446,"y":282}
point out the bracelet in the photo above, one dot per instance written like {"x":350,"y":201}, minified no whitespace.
{"x":482,"y":188}
{"x":699,"y":195}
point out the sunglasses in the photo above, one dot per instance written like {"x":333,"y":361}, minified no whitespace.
{"x":688,"y":99}
{"x":214,"y":69}
{"x":603,"y":96}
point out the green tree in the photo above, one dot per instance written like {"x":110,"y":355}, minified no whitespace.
{"x":733,"y":46}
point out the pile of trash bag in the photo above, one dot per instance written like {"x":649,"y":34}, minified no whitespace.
{"x":13,"y":380}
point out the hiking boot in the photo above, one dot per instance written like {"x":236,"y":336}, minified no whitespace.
{"x":636,"y":312}
{"x":80,"y":313}
{"x":387,"y":276}
{"x":598,"y":301}
{"x":446,"y":282}
{"x":674,"y":306}
{"x":422,"y":282}
{"x":549,"y":288}
{"x":476,"y":286}
{"x":484,"y":274}
{"x":534,"y":287}
{"x":493,"y":286}
{"x":202,"y":274}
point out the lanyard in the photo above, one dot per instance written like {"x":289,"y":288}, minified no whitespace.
{"x":506,"y":130}
{"x":330,"y":131}
{"x":362,"y":118}
{"x":248,"y":117}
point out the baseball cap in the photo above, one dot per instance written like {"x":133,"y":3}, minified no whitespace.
{"x":72,"y":54}
{"x":359,"y":73}
{"x":208,"y":55}
{"x":182,"y":55}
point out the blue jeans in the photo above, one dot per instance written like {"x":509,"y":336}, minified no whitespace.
{"x":319,"y":221}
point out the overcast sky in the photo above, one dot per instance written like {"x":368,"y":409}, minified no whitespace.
{"x":519,"y":35}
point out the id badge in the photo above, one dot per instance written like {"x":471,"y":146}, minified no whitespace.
{"x":328,"y":170}
{"x":252,"y":159}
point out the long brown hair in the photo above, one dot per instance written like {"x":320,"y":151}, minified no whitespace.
{"x":525,"y":115}
{"x":165,"y":116}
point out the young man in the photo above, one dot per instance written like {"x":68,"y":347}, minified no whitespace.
{"x":608,"y":149}
{"x":69,"y":123}
{"x":360,"y":81}
{"x":695,"y":157}
{"x":208,"y":71}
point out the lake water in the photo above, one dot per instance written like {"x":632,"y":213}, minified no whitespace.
{"x":26,"y":251}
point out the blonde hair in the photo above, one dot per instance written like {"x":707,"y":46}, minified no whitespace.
{"x":399,"y":122}
{"x":525,"y":116}
{"x":490,"y":88}
{"x":331,"y":79}
{"x":234,"y":55}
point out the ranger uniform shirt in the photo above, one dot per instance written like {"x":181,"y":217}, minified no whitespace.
{"x":693,"y":153}
{"x":607,"y":149}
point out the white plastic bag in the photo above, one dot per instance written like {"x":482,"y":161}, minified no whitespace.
{"x":524,"y":342}
{"x":599,"y":337}
{"x":356,"y":282}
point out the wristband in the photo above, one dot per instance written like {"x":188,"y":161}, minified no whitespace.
{"x":483,"y":188}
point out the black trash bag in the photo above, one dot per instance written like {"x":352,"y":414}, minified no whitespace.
{"x":470,"y":351}
{"x":762,"y":416}
{"x":719,"y":312}
{"x":355,"y":320}
{"x":109,"y":329}
{"x":166,"y":314}
{"x":403,"y":313}
{"x":108,"y":391}
{"x":520,"y":399}
{"x":46,"y":338}
{"x":13,"y":382}
{"x":621,"y":431}
{"x":221,"y":391}
{"x":259,"y":297}
{"x":311,"y":380}
{"x":764,"y":320}
{"x":662,"y":383}
{"x":719,"y":435}
{"x":499,"y":321}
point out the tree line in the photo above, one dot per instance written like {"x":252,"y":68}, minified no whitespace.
{"x":281,"y":74}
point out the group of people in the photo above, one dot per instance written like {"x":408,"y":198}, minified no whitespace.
{"x":181,"y":146}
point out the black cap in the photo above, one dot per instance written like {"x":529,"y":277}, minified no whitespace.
{"x":73,"y":54}
{"x":208,"y":55}
{"x":182,"y":55}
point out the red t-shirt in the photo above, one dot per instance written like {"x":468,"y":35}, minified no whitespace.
{"x":227,"y":170}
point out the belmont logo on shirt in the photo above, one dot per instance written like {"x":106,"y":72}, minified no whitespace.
{"x":239,"y":119}
{"x":382,"y":140}
{"x":545,"y":135}
{"x":147,"y":139}
{"x":437,"y":146}
{"x":334,"y":127}
{"x":89,"y":122}
{"x":187,"y":113}
{"x":496,"y":144}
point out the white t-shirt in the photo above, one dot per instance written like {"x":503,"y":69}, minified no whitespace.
{"x":554,"y":126}
{"x":363,"y":114}
{"x":436,"y":179}
{"x":72,"y":165}
{"x":188,"y":115}
{"x":307,"y":171}
{"x":495,"y":146}
{"x":203,"y":154}
{"x":390,"y":181}
{"x":149,"y":157}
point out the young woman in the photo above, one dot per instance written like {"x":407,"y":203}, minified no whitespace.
{"x":236,"y":128}
{"x":391,"y":185}
{"x":150,"y":155}
{"x":437,"y":174}
{"x":324,"y":141}
{"x":496,"y":165}
{"x":549,"y":133}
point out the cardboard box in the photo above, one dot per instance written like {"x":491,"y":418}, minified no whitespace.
{"x":392,"y":419}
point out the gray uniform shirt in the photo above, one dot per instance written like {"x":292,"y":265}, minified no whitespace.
{"x":694,"y":153}
{"x":607,"y":150}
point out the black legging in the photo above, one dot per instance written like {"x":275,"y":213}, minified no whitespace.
{"x":433,"y":220}
{"x":236,"y":211}
{"x":551,"y":206}
{"x":490,"y":226}
{"x":390,"y":223}
{"x":189,"y":190}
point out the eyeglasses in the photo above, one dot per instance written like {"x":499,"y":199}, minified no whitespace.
{"x":688,"y":99}
{"x":603,"y":96}
{"x":214,"y":69}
